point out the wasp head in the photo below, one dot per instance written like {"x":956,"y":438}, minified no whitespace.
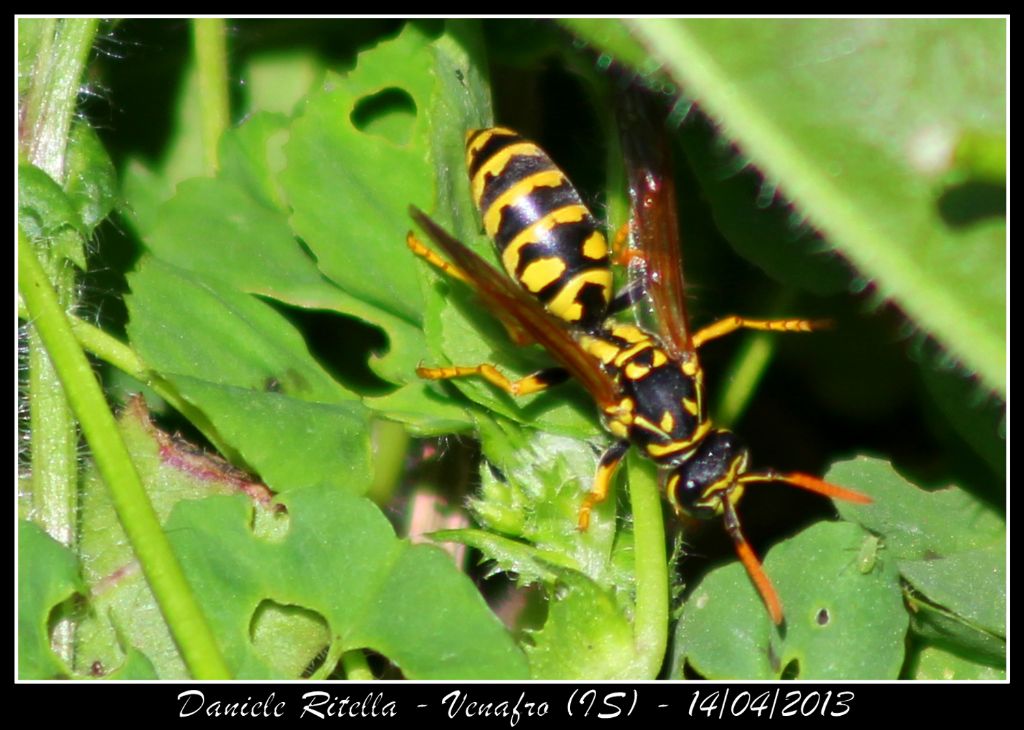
{"x":698,"y":485}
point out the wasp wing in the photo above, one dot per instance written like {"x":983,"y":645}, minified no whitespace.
{"x":654,"y":224}
{"x":501,"y":294}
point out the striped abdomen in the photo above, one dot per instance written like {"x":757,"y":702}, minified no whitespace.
{"x":548,"y":240}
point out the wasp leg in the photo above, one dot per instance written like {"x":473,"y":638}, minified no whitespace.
{"x":610,"y":461}
{"x":417,"y":247}
{"x":515,"y":332}
{"x":538,"y":381}
{"x":730,"y":324}
{"x":621,"y":252}
{"x":752,"y":564}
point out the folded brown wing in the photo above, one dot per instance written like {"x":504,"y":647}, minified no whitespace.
{"x":502,"y":294}
{"x":654,"y":225}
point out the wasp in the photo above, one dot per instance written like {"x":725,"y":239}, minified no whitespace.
{"x":648,"y":386}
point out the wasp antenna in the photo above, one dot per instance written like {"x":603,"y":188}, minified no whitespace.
{"x":810,"y":483}
{"x":819,"y":486}
{"x":752,"y":564}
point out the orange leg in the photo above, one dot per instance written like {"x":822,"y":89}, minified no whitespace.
{"x":746,"y":553}
{"x":752,"y":564}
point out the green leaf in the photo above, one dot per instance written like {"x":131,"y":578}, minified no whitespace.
{"x":526,"y":563}
{"x":977,"y":416}
{"x":841,"y":623}
{"x":248,"y":372}
{"x":936,"y":625}
{"x":46,"y":213}
{"x":136,"y":666}
{"x":971,"y":583}
{"x":536,"y":495}
{"x":186,"y":324}
{"x":764,"y":233}
{"x":144,"y":191}
{"x":340,"y":559}
{"x":916,"y":524}
{"x":252,"y":155}
{"x":218,"y":229}
{"x":855,"y":121}
{"x":91,"y":178}
{"x":271,"y":583}
{"x":47,"y":576}
{"x":290,"y":442}
{"x":585,"y":636}
{"x":426,"y":411}
{"x":254,"y":249}
{"x":357,"y":157}
{"x":957,"y":564}
{"x":124,"y":617}
{"x":278,"y":81}
{"x":349,"y":188}
{"x":936,"y":664}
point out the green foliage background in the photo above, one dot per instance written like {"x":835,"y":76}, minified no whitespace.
{"x":231,"y":213}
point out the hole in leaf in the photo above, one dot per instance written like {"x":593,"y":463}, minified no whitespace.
{"x":381,"y":667}
{"x":289,"y":638}
{"x":343,"y":345}
{"x":690,"y":673}
{"x":792,"y":670}
{"x":823,"y":617}
{"x":972,"y":202}
{"x":316,"y":663}
{"x":270,"y":523}
{"x":389,"y":114}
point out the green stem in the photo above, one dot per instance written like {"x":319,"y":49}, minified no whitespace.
{"x":113,"y":351}
{"x":748,"y":367}
{"x":84,"y":394}
{"x":52,"y":73}
{"x":49,"y":107}
{"x":745,"y":373}
{"x":209,"y":36}
{"x":390,"y":445}
{"x":355,"y":666}
{"x":650,"y":623}
{"x":54,"y":437}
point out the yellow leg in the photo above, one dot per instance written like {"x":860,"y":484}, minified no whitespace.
{"x":516,"y":333}
{"x":417,"y":247}
{"x":732,"y":323}
{"x":610,"y":461}
{"x":538,"y":381}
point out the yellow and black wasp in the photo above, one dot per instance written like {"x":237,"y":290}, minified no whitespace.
{"x":648,"y":386}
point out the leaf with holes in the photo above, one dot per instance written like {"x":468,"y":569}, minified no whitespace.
{"x":340,"y":559}
{"x":47,"y":576}
{"x":841,"y":622}
{"x":279,"y":588}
